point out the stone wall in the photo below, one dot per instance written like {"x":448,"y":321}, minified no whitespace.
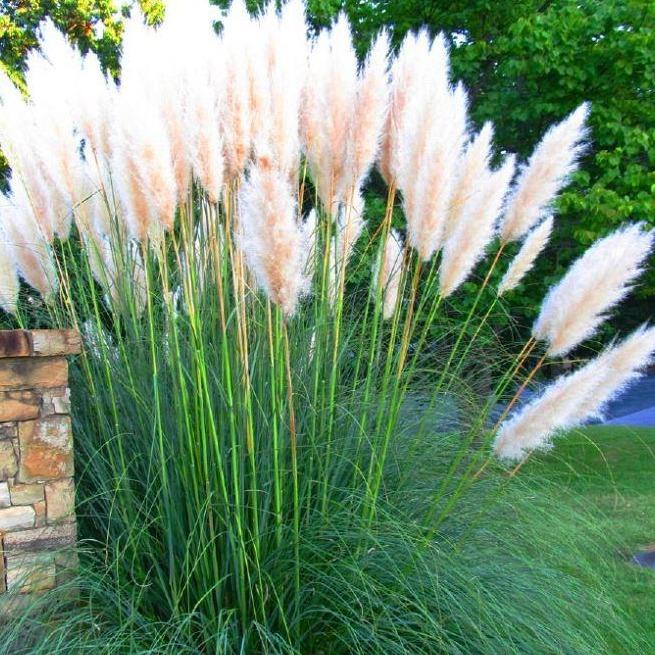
{"x":37,"y":490}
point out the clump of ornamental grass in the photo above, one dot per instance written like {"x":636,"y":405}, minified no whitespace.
{"x":275,"y":454}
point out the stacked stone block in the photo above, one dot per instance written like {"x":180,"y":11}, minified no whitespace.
{"x":37,"y":489}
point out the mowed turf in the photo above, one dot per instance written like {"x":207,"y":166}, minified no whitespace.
{"x":612,"y":470}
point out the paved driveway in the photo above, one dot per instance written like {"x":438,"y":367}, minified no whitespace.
{"x":636,"y":407}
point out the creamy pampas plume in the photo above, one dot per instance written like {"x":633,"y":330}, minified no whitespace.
{"x":33,"y":256}
{"x":546,"y":172}
{"x":390,"y":274}
{"x":271,"y":237}
{"x":327,"y":112}
{"x":9,"y":283}
{"x":430,"y":144}
{"x":475,"y":228}
{"x":155,"y":64}
{"x":367,"y":119}
{"x":343,"y":112}
{"x":81,"y":86}
{"x":596,"y":282}
{"x":470,"y":174}
{"x":236,"y":37}
{"x":534,"y":243}
{"x":575,"y":397}
{"x":143,"y":171}
{"x":408,"y":72}
{"x":278,"y":68}
{"x":203,"y":76}
{"x":19,"y":140}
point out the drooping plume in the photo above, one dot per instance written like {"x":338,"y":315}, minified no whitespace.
{"x":156,"y":65}
{"x":534,"y":243}
{"x":475,"y":229}
{"x":33,"y":256}
{"x":143,"y":171}
{"x":596,"y":282}
{"x":271,"y":237}
{"x":575,"y":397}
{"x":204,"y":78}
{"x":546,"y":172}
{"x":21,"y":144}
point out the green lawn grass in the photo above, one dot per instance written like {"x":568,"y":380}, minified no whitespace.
{"x":612,"y":470}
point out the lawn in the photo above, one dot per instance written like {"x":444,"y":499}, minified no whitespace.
{"x":612,"y":470}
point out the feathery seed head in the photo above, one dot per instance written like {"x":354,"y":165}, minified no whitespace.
{"x":471,"y":168}
{"x":271,"y":238}
{"x":534,"y":243}
{"x":544,"y":175}
{"x":466,"y":245}
{"x":596,"y":282}
{"x":575,"y":397}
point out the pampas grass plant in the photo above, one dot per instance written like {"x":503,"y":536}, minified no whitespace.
{"x":254,"y":472}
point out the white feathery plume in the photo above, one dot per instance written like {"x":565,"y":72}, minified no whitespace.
{"x":429,"y":152}
{"x":466,"y":244}
{"x":367,"y":119}
{"x":236,"y":38}
{"x":470,"y":173}
{"x":204,"y":76}
{"x":143,"y":173}
{"x":429,"y":113}
{"x":544,"y":175}
{"x":327,"y":114}
{"x":315,"y":145}
{"x":34,"y":260}
{"x":95,"y":101}
{"x":56,"y":145}
{"x":278,"y":65}
{"x":155,"y":65}
{"x":342,"y":85}
{"x":9,"y":283}
{"x":408,"y":73}
{"x":390,"y":275}
{"x":534,"y":243}
{"x":18,"y":139}
{"x":82,"y":87}
{"x":271,"y":238}
{"x":573,"y":398}
{"x":595,"y":283}
{"x":617,"y":367}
